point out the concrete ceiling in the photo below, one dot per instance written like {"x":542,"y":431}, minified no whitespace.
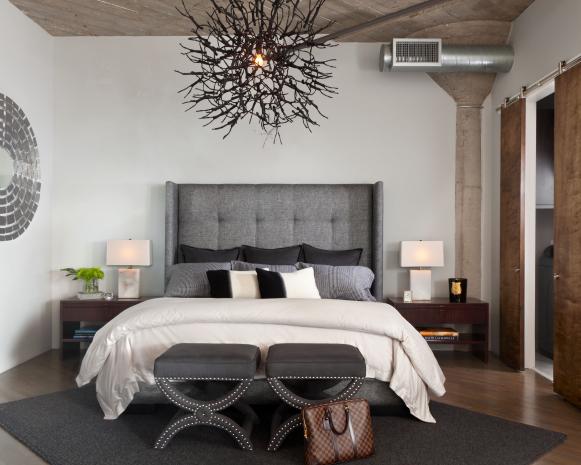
{"x":483,"y":21}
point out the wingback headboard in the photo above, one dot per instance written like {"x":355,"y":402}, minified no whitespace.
{"x":329,"y":216}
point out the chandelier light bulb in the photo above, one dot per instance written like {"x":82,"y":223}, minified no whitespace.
{"x":260,"y":60}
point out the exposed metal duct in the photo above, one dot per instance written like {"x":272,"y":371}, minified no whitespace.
{"x":431,"y":56}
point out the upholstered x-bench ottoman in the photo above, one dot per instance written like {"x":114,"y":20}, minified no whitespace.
{"x":235,"y":363}
{"x":289,"y":363}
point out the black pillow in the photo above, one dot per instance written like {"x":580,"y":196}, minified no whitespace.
{"x":331,"y":257}
{"x":281,"y":256}
{"x":219,"y":280}
{"x":197,"y":255}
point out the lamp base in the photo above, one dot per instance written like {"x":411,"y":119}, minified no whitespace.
{"x":128,"y":283}
{"x":421,"y":284}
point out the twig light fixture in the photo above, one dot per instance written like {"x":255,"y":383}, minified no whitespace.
{"x":255,"y":60}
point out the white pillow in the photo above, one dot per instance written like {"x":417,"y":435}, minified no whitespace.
{"x":298,"y":285}
{"x":244,"y":285}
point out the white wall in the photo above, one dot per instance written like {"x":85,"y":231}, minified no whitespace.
{"x":26,"y":76}
{"x":547,"y":32}
{"x":121,"y":132}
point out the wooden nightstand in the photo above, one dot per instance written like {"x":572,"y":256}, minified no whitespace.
{"x":440,"y":311}
{"x":75,"y":311}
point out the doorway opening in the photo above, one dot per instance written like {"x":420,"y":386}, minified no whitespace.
{"x":545,"y":202}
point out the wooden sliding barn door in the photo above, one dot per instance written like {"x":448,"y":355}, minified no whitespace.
{"x":512,"y":153}
{"x":567,"y":258}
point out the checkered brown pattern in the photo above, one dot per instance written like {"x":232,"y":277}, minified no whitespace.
{"x":329,"y":437}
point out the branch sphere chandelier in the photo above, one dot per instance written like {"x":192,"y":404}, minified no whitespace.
{"x":255,"y":60}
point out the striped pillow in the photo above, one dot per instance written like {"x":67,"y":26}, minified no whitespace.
{"x":190,"y":280}
{"x":245,"y":266}
{"x":343,"y":282}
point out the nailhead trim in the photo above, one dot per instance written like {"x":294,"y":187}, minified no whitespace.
{"x":216,"y":420}
{"x":298,"y":402}
{"x":319,"y":377}
{"x":286,"y":395}
{"x":184,"y":378}
{"x":192,"y":405}
{"x":282,"y":432}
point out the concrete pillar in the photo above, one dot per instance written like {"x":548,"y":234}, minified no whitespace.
{"x":469,"y":197}
{"x":468,"y":91}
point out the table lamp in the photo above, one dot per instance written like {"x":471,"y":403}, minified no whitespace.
{"x":421,"y":254}
{"x":128,"y":253}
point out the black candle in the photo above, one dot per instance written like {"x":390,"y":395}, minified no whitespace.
{"x":458,"y":289}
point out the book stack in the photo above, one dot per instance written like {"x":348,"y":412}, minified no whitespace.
{"x":86,"y":333}
{"x":439,"y":334}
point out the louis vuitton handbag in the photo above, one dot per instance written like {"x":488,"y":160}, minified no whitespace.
{"x":337,"y":432}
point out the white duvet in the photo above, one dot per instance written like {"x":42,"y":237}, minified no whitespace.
{"x":123,"y":352}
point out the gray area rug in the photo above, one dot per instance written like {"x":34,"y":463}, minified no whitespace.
{"x":67,"y":428}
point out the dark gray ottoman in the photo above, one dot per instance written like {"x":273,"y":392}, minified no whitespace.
{"x":207,"y":362}
{"x":290,"y":362}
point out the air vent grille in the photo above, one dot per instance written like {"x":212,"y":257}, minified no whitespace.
{"x":417,"y":52}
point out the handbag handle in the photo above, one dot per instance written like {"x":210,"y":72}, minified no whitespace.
{"x":329,"y":417}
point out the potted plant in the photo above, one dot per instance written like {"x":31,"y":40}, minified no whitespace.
{"x":90,"y":278}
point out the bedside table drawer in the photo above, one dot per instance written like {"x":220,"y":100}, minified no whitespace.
{"x":440,"y":315}
{"x":90,"y":313}
{"x":428,"y":315}
{"x":472,"y":315}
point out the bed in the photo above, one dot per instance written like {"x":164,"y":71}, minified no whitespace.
{"x":401,"y":369}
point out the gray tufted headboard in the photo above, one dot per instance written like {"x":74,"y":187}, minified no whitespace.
{"x":329,"y":216}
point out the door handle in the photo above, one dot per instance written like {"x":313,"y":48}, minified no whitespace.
{"x":556,"y":275}
{"x":516,"y":269}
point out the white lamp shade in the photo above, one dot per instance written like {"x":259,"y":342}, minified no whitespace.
{"x":129,"y":253}
{"x":422,"y":253}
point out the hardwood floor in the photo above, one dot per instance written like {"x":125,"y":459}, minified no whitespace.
{"x":492,"y":389}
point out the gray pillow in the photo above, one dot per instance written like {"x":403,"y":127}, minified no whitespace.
{"x":245,"y":266}
{"x":343,"y":282}
{"x":190,"y":280}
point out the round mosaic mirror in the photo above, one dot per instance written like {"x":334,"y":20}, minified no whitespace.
{"x":6,"y":168}
{"x":19,"y":171}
